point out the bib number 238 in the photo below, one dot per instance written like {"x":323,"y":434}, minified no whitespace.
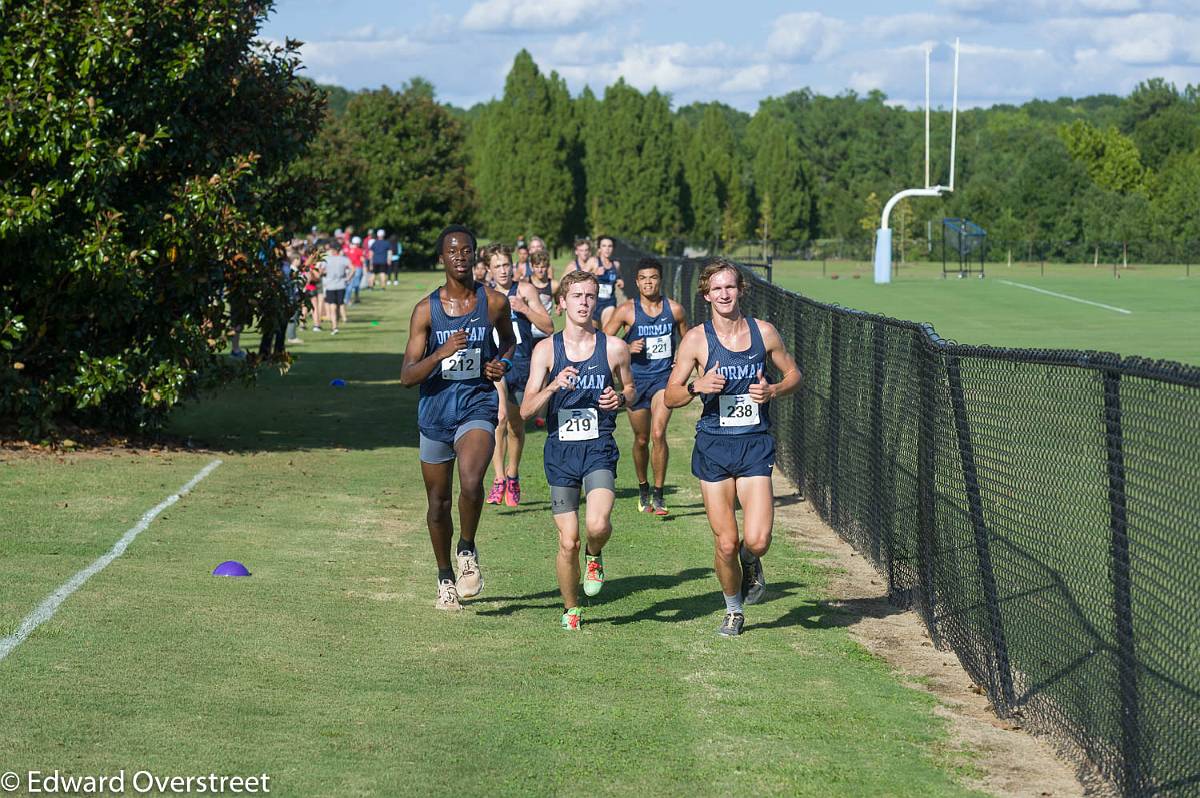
{"x":462,"y":365}
{"x":738,"y":410}
{"x":578,"y":425}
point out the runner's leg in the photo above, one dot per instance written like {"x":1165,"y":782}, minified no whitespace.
{"x":718,"y":505}
{"x":660,"y":416}
{"x":566,"y":565}
{"x":473,"y":451}
{"x":639,"y":421}
{"x":439,"y":483}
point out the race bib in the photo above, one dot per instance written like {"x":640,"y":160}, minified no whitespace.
{"x":606,"y":290}
{"x":738,"y":410}
{"x":658,"y":347}
{"x":578,"y":425}
{"x":464,"y":364}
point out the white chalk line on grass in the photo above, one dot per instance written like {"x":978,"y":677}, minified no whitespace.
{"x":45,"y":611}
{"x":1067,"y":296}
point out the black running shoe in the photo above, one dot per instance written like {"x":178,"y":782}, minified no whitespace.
{"x":754,"y":585}
{"x":731,"y":626}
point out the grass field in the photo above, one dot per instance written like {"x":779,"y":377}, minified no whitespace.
{"x":329,"y":669}
{"x":1163,"y":319}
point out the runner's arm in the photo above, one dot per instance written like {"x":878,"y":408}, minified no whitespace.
{"x":416,"y":368}
{"x":687,"y":360}
{"x":539,"y":368}
{"x":680,"y":320}
{"x":791,"y":377}
{"x":619,"y":319}
{"x":536,"y":313}
{"x":618,"y":363}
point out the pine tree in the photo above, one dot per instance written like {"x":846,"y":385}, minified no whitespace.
{"x":525,"y":181}
{"x":779,"y":172}
{"x":632,"y":167}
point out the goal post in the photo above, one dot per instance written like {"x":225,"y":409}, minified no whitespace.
{"x":883,"y":236}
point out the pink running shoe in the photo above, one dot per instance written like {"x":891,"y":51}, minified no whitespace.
{"x":512,"y":491}
{"x":496,"y":494}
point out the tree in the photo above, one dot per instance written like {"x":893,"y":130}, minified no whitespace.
{"x":633,"y":171}
{"x":779,"y":173}
{"x":146,"y":158}
{"x":395,"y":160}
{"x":1111,"y":159}
{"x":525,"y":175}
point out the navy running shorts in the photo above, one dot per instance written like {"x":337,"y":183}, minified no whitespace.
{"x":567,"y":463}
{"x":720,"y":457}
{"x":646,"y":391}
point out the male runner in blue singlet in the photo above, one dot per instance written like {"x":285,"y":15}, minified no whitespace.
{"x":651,"y":321}
{"x":527,"y":315}
{"x":608,"y":272}
{"x":734,"y":452}
{"x":452,"y":355}
{"x":575,"y":371}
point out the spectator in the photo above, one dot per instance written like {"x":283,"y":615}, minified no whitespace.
{"x":355,"y":253}
{"x":381,"y":258}
{"x":337,"y":273}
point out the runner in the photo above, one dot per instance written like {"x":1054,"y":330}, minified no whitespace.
{"x":381,"y":256}
{"x":608,"y":271}
{"x":650,"y":321}
{"x":547,"y":287}
{"x":452,"y":356}
{"x":521,"y":267}
{"x":735,"y":451}
{"x":583,"y":256}
{"x":574,"y":372}
{"x":525,"y":312}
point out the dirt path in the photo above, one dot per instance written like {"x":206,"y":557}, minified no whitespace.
{"x":1013,"y":761}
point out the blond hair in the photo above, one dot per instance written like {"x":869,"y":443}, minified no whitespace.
{"x":715,"y":266}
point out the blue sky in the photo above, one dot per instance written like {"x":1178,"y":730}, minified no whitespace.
{"x":742,"y":51}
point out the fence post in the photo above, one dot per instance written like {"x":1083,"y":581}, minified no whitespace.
{"x":770,"y":269}
{"x":1132,"y":781}
{"x":834,"y":422}
{"x":881,"y":515}
{"x":1005,"y":701}
{"x":926,"y":464}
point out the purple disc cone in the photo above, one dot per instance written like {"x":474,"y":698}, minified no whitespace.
{"x":230,"y":568}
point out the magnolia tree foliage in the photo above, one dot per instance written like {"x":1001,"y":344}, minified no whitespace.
{"x":144,"y":149}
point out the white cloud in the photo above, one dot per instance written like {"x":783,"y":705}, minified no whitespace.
{"x":538,"y":15}
{"x":1136,"y":39}
{"x":805,"y":36}
{"x":754,"y":78}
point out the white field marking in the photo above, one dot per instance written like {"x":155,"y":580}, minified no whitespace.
{"x":1065,"y":296}
{"x":45,"y":611}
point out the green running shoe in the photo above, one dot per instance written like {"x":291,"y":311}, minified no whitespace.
{"x":572,"y":619}
{"x":593,"y":576}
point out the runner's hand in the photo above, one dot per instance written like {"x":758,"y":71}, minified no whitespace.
{"x":455,"y":343}
{"x":761,"y":391}
{"x":518,"y":304}
{"x":493,"y":370}
{"x":565,"y":381}
{"x":712,"y":382}
{"x":637,"y":346}
{"x":609,"y":399}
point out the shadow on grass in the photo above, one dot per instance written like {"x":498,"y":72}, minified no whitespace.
{"x":829,"y":614}
{"x":614,"y":590}
{"x":302,"y":410}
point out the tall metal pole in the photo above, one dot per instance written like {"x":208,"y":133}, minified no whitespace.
{"x":927,"y":121}
{"x":954,"y":117}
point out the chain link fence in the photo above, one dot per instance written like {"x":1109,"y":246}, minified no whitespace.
{"x":1040,"y":509}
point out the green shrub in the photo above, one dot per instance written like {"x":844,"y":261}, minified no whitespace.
{"x":144,"y":154}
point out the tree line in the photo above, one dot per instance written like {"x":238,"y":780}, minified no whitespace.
{"x":802,"y":167}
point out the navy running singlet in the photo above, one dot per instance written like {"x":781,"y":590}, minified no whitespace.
{"x":575,"y":415}
{"x":732,"y":411}
{"x":606,"y":293}
{"x":657,"y":357}
{"x":457,"y":391}
{"x":522,"y":329}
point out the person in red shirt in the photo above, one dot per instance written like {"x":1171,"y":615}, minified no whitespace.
{"x":356,"y":254}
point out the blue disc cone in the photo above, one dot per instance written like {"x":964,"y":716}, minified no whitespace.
{"x":339,"y":383}
{"x":231,"y":568}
